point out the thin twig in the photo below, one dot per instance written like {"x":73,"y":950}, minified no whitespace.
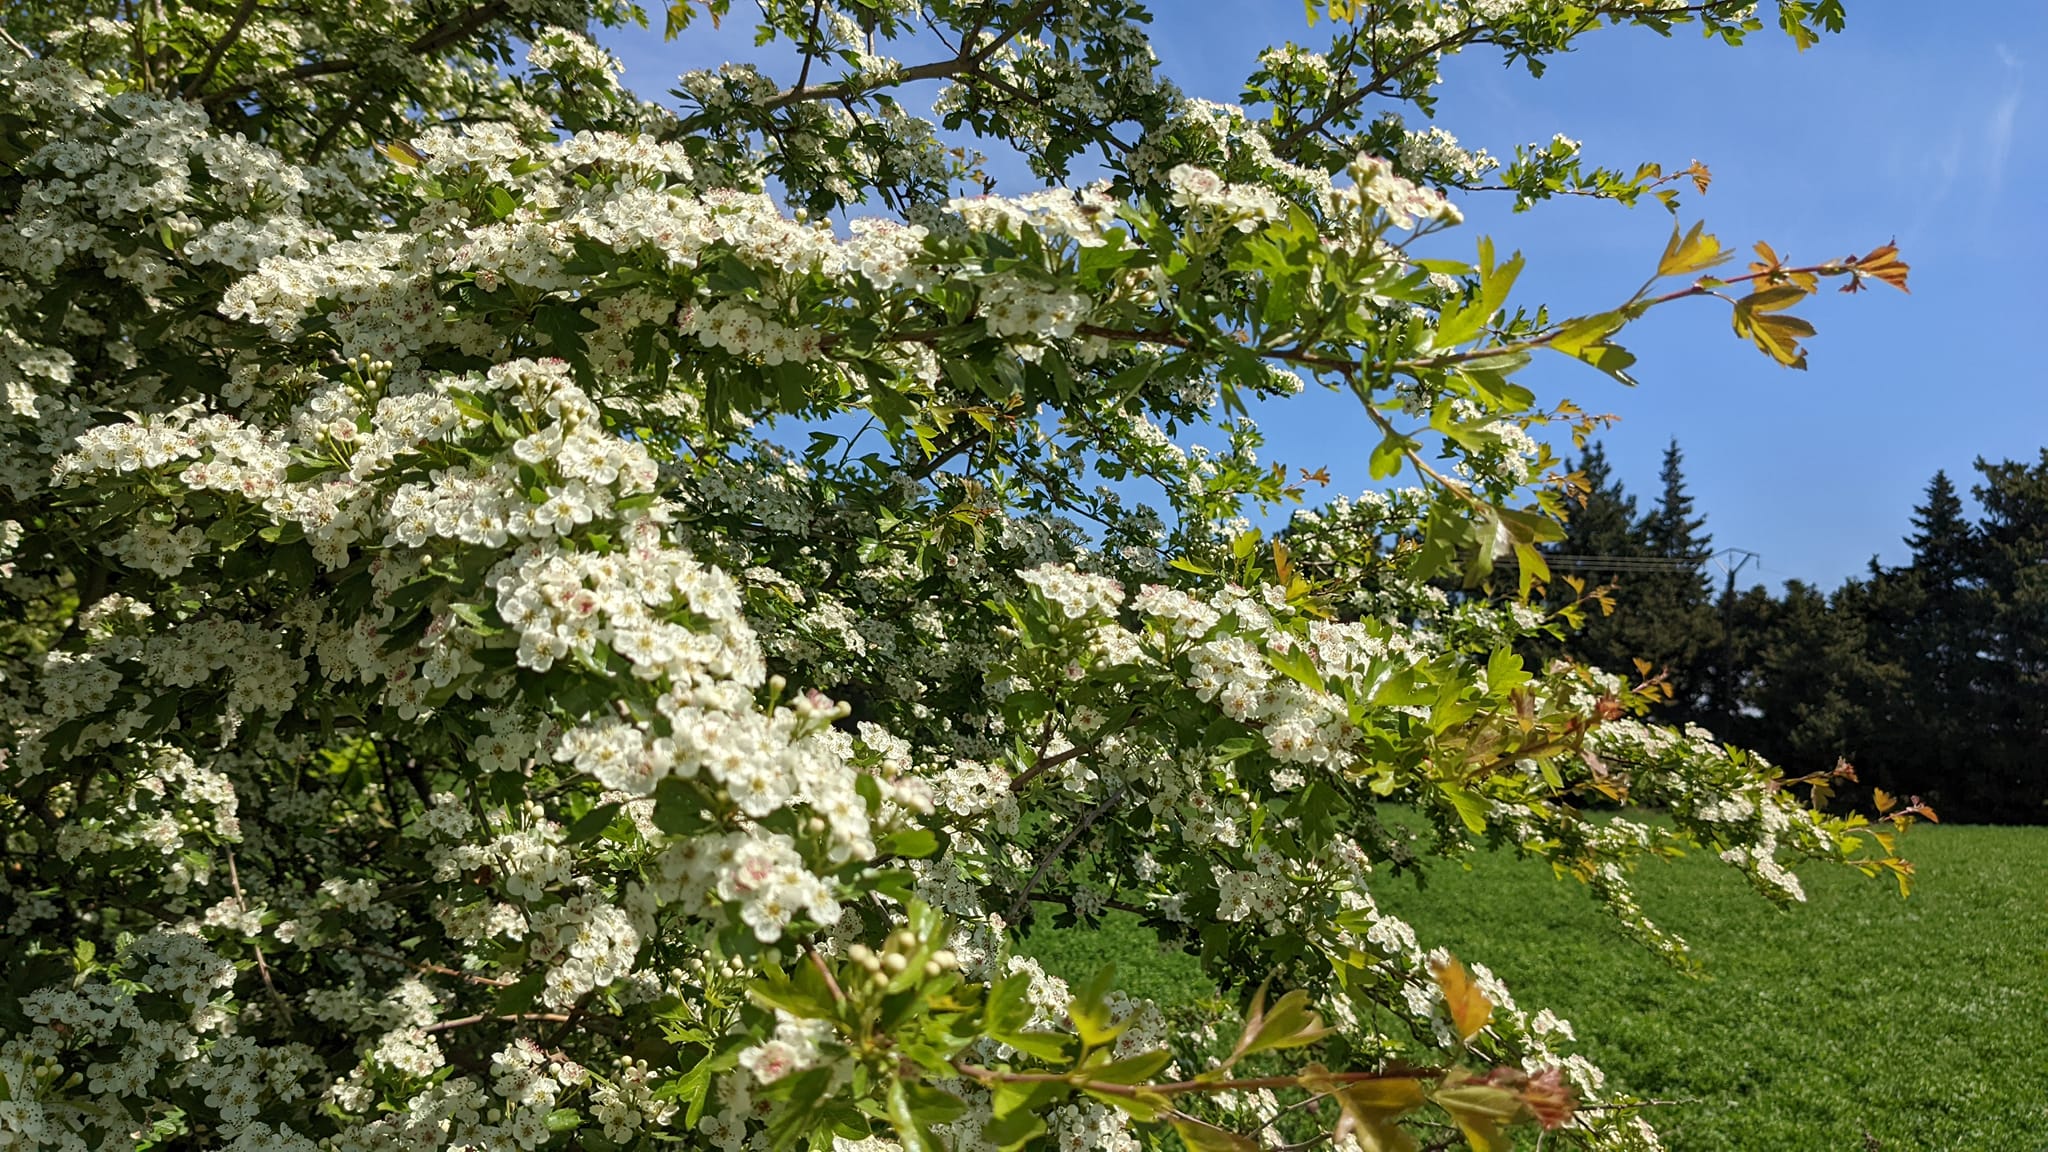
{"x":435,"y":969}
{"x":1023,"y":900}
{"x":966,"y":60}
{"x":262,"y":965}
{"x":482,"y":1018}
{"x":825,"y":970}
{"x":432,"y":40}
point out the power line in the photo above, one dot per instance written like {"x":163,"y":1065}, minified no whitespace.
{"x":1729,"y":560}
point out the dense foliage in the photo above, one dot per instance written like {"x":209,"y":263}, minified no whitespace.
{"x":1927,"y":677}
{"x":444,"y":709}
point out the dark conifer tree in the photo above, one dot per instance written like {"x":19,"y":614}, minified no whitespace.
{"x":2010,"y":778}
{"x":1677,"y":628}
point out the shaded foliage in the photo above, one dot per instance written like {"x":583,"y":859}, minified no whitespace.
{"x":1928,"y":677}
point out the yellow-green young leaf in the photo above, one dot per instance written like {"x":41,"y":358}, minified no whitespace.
{"x":1289,"y":1024}
{"x":1578,"y":335}
{"x":1533,"y":568}
{"x":913,"y":1132}
{"x":1131,"y":1069}
{"x":1013,"y":1131}
{"x":1388,"y":454}
{"x":1693,"y":251}
{"x":1370,"y":1108}
{"x":1089,"y":1009}
{"x":402,"y":154}
{"x":1612,"y":359}
{"x":1777,"y":334}
{"x":1298,"y":665}
{"x":1471,"y":809}
{"x":1201,"y":1137}
{"x":1773,"y":299}
{"x":1481,"y":1134}
{"x":1470,"y":1009}
{"x":1479,"y":1109}
{"x":1144,"y":1107}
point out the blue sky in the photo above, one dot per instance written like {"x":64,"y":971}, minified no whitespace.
{"x":1910,"y":125}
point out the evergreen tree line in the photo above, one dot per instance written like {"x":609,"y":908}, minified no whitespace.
{"x":1930,"y":678}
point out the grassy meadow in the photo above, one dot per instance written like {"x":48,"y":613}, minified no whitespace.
{"x":1858,"y":1021}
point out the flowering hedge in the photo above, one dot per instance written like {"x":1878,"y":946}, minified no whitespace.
{"x":528,"y":626}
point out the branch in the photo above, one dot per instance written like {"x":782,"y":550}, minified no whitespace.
{"x":431,"y":40}
{"x":1023,"y":900}
{"x":418,"y":966}
{"x":466,"y":1021}
{"x":220,"y":49}
{"x":262,"y":966}
{"x":1180,"y":1087}
{"x":966,"y":60}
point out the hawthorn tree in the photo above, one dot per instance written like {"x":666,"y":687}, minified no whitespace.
{"x":541,"y":619}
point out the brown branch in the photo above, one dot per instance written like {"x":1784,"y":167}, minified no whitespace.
{"x":1180,"y":1087}
{"x":1023,"y":900}
{"x":966,"y":60}
{"x":220,"y":49}
{"x":262,"y":966}
{"x":1044,"y":764}
{"x":419,"y":966}
{"x":432,"y":40}
{"x":483,"y":1018}
{"x":803,"y":74}
{"x":825,"y":970}
{"x":1382,"y":78}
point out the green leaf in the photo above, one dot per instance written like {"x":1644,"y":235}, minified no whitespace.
{"x":1089,"y":1009}
{"x":694,"y":1088}
{"x":1471,"y":809}
{"x":1006,"y":1017}
{"x":1200,"y":1136}
{"x":1297,"y":663}
{"x":913,"y":1131}
{"x":808,"y":1093}
{"x":1504,"y":672}
{"x":1461,"y":324}
{"x":1389,"y":454}
{"x":519,"y":997}
{"x":910,"y":844}
{"x":1013,"y":1130}
{"x":592,"y":824}
{"x":1132,"y":1069}
{"x":1289,"y":1023}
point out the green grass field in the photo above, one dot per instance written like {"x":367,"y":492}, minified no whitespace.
{"x":1858,"y":1021}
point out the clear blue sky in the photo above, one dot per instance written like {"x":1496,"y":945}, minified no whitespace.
{"x":1911,"y":125}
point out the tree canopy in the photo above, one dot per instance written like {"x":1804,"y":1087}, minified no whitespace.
{"x":537,"y":618}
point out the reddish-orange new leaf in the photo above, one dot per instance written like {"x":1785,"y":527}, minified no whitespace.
{"x":1470,"y":1009}
{"x":1882,"y":263}
{"x":1549,"y":1099}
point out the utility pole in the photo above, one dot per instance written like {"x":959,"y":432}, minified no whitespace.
{"x":1731,"y":561}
